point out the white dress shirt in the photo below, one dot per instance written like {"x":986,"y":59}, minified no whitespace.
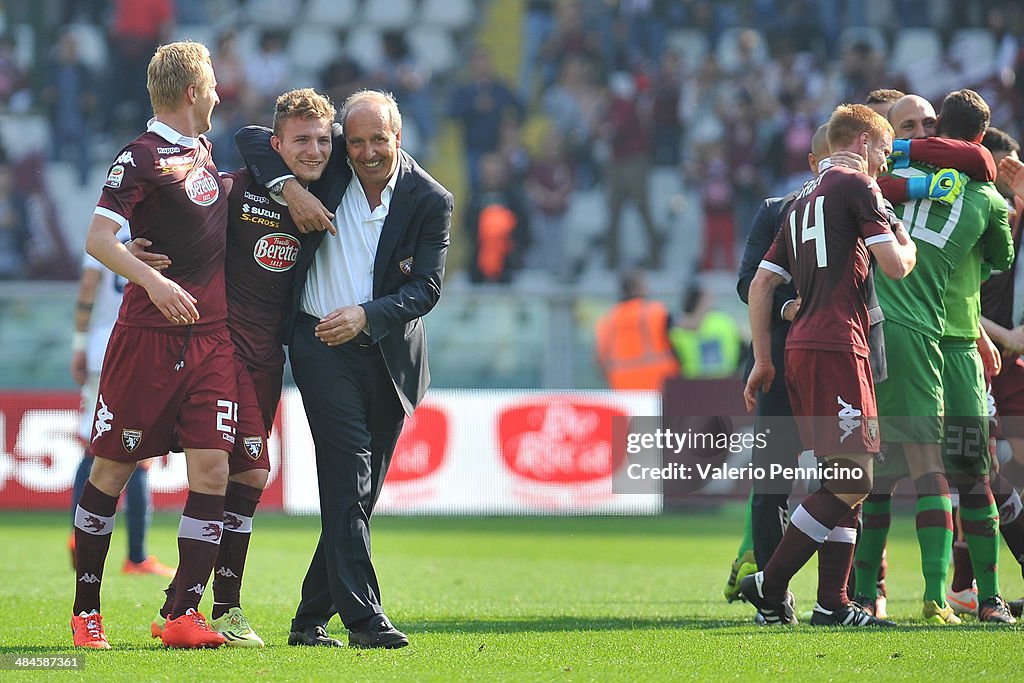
{"x":342,"y":270}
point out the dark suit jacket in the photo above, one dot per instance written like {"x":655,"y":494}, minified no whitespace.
{"x":415,"y":237}
{"x":767,"y":222}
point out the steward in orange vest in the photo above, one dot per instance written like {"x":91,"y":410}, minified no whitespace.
{"x":633,"y":347}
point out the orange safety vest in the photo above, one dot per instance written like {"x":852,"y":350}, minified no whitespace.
{"x":633,"y":346}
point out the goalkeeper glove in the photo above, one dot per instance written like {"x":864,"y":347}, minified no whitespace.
{"x":945,"y":185}
{"x":900,"y":157}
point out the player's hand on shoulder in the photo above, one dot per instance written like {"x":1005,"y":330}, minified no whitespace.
{"x":309,"y":214}
{"x":849,"y":160}
{"x":138,"y":246}
{"x":176,"y":304}
{"x":946,"y":184}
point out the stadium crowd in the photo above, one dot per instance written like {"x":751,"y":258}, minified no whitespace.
{"x":719,"y":99}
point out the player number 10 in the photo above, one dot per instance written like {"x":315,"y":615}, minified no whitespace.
{"x":812,"y":230}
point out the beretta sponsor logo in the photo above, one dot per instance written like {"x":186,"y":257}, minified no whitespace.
{"x":202,"y":188}
{"x":559,"y":440}
{"x":276,"y":251}
{"x":422,"y":446}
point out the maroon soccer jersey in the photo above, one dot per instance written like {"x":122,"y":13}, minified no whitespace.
{"x":997,"y":291}
{"x":263,"y":244}
{"x":823,"y":246}
{"x":166,"y":186}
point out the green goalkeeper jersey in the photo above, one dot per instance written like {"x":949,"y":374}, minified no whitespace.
{"x":984,"y":205}
{"x":951,"y":239}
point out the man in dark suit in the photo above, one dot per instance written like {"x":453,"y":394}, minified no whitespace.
{"x":357,"y":347}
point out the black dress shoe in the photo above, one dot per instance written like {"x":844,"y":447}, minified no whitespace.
{"x":313,"y":635}
{"x":378,"y":633}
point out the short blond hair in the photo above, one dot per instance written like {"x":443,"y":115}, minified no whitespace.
{"x":173,"y":68}
{"x":850,"y":120}
{"x":378,"y":97}
{"x":302,"y":103}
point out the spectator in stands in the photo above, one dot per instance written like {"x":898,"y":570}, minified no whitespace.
{"x":627,"y":134}
{"x":549,"y":187}
{"x":70,"y":100}
{"x":575,"y":104}
{"x":137,"y":28}
{"x":538,"y":23}
{"x":512,"y":149}
{"x":13,"y":80}
{"x":342,"y":77}
{"x":267,"y":71}
{"x":717,"y":193}
{"x":14,"y":234}
{"x":497,"y":219}
{"x":480,"y":104}
{"x":633,"y":349}
{"x":666,"y":118}
{"x":571,"y":37}
{"x":404,"y":76}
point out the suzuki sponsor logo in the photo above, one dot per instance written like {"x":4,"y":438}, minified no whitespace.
{"x":276,"y":252}
{"x":260,"y":211}
{"x":201,"y":187}
{"x":422,"y":446}
{"x":559,"y":440}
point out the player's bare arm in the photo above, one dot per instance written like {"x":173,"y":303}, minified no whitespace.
{"x":1012,"y":341}
{"x":309,"y":214}
{"x":341,"y":325}
{"x":896,"y":258}
{"x":990,"y":358}
{"x":177,"y":305}
{"x":762,"y":287}
{"x":83,"y":313}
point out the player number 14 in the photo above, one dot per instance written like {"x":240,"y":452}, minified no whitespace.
{"x":811,"y":230}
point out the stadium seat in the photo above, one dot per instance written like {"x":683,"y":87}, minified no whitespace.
{"x":272,"y":13}
{"x":434,"y":47}
{"x":92,"y":45}
{"x":336,"y":13}
{"x":973,"y":48}
{"x":201,"y":33}
{"x":454,"y":15}
{"x":691,"y":44}
{"x":365,"y":47}
{"x":863,"y":34}
{"x":914,"y":46}
{"x":394,"y":14}
{"x":728,"y":48}
{"x":313,"y":47}
{"x":880,"y":13}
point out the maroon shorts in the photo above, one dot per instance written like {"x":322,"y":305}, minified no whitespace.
{"x":146,"y":407}
{"x":259,"y":392}
{"x":1007,"y":389}
{"x":833,"y":400}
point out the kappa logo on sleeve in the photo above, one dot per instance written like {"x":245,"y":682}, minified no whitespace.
{"x":125,"y":158}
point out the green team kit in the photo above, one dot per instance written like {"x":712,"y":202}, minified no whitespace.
{"x":938,"y":306}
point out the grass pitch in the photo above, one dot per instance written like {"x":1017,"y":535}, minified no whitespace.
{"x":500,"y":599}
